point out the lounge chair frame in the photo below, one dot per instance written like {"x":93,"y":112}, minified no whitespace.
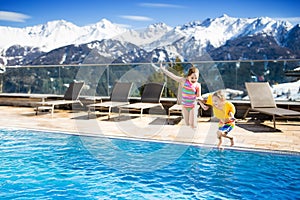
{"x":262,"y":100}
{"x":150,"y":98}
{"x":119,"y":97}
{"x":71,"y":96}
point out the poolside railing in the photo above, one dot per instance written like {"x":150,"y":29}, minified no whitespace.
{"x":100,"y":78}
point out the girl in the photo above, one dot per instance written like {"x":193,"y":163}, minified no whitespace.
{"x":188,"y":91}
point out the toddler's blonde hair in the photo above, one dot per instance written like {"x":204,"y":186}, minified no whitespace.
{"x":220,"y":94}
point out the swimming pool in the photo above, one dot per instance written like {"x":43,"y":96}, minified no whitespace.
{"x":41,"y":165}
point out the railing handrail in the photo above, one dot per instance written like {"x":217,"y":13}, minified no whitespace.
{"x":143,"y":63}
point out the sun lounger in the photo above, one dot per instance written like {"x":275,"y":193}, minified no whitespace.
{"x":262,"y":100}
{"x":71,"y":96}
{"x":176,"y":108}
{"x":150,"y":98}
{"x":119,"y":97}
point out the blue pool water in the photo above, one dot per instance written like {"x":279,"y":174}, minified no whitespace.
{"x":37,"y":165}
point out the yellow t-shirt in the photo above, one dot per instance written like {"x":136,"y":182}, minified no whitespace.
{"x":224,"y":113}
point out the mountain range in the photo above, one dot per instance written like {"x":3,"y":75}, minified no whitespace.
{"x":222,"y":38}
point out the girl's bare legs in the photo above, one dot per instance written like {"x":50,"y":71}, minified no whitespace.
{"x":194,"y":116}
{"x":185,"y":114}
{"x":190,"y":117}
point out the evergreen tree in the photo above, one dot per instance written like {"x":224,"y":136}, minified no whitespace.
{"x":172,"y":86}
{"x":178,"y":67}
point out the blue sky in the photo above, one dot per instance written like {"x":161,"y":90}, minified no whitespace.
{"x":141,"y":13}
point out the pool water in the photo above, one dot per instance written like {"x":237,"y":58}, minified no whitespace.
{"x":41,"y":165}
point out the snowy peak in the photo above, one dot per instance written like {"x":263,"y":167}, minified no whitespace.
{"x":188,"y":41}
{"x":154,"y":31}
{"x":143,"y":37}
{"x":105,"y":26}
{"x":219,"y":30}
{"x":160,"y":25}
{"x":53,"y":25}
{"x":55,"y":34}
{"x":50,"y":35}
{"x":157,"y":28}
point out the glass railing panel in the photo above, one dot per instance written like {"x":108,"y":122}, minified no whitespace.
{"x":100,"y":78}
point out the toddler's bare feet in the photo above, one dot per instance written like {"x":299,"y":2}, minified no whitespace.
{"x":232,"y":142}
{"x":219,"y":145}
{"x":220,"y":148}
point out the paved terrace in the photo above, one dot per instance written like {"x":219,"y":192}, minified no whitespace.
{"x":155,"y":127}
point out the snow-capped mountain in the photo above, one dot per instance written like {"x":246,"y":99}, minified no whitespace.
{"x":95,"y":52}
{"x":58,"y":33}
{"x":199,"y":37}
{"x":143,"y":37}
{"x":190,"y":42}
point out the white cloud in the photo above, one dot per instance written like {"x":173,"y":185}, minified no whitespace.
{"x":160,"y":5}
{"x":293,"y":20}
{"x":13,"y":16}
{"x":136,"y":18}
